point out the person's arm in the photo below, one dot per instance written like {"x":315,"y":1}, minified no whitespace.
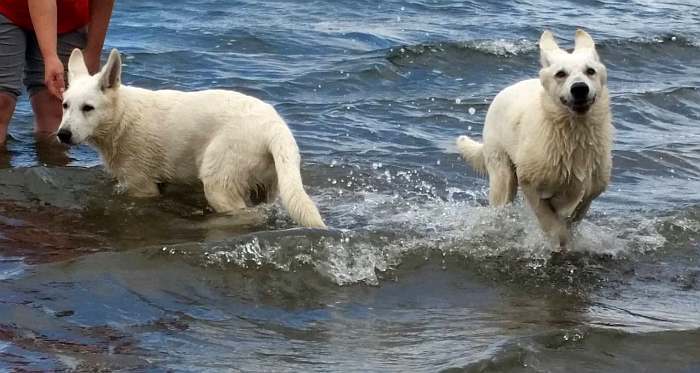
{"x":100,"y":13}
{"x":43,"y":14}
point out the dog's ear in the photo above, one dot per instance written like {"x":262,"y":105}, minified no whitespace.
{"x":584,"y":42}
{"x":547,"y":46}
{"x":76,"y":65}
{"x":112,"y":71}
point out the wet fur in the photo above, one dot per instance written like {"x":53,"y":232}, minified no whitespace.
{"x":237,"y":146}
{"x":560,"y":158}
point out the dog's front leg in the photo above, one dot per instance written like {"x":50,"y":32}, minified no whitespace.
{"x":550,"y":222}
{"x":580,"y":211}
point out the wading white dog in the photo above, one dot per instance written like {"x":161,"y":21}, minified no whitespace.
{"x":551,"y":135}
{"x":236,"y":145}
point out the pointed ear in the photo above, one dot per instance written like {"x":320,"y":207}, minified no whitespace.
{"x":583,"y":41}
{"x":112,"y":71}
{"x":547,"y":46}
{"x":547,"y":42}
{"x":76,"y":65}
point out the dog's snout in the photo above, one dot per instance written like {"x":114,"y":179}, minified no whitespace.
{"x":579,"y":91}
{"x":64,"y":135}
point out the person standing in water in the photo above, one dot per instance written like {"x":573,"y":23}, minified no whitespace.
{"x":36,"y":40}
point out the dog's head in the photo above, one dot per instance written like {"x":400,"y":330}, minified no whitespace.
{"x":573,"y":80}
{"x":89,"y":100}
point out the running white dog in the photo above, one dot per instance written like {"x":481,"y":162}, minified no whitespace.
{"x":551,"y":135}
{"x":236,"y":145}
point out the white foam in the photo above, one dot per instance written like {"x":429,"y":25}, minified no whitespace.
{"x":396,"y":227}
{"x":503,"y":47}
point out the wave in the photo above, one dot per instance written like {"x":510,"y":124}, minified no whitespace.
{"x":501,"y":48}
{"x":387,"y":218}
{"x":680,"y":92}
{"x":507,"y":48}
{"x":502,"y":244}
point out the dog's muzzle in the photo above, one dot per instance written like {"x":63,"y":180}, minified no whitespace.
{"x":579,"y":107}
{"x":580,"y":102}
{"x":582,"y":107}
{"x":64,"y":136}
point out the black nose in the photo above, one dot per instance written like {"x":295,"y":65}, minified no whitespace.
{"x":580,"y":91}
{"x":64,"y":136}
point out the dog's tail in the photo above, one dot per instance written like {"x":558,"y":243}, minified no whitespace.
{"x":473,"y":153}
{"x":301,"y":208}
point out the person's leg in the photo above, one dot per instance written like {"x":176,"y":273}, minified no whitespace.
{"x":12,"y":48}
{"x":7,"y":108}
{"x":47,"y":114}
{"x":47,"y":108}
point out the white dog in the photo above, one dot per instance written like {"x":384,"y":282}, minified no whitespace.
{"x":236,"y":145}
{"x":551,"y":135}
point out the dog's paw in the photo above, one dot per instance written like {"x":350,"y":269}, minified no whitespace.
{"x":561,"y":239}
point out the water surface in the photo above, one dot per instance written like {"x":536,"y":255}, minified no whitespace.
{"x":417,"y":274}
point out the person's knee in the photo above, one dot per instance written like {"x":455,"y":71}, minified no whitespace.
{"x":7,"y":107}
{"x":7,"y":101}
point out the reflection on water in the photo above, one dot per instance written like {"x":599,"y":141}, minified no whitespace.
{"x":48,"y":152}
{"x":5,"y":157}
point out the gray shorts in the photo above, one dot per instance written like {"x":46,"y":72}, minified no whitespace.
{"x":20,"y":57}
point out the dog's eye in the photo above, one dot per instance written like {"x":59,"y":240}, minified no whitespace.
{"x":590,"y":71}
{"x":65,"y":105}
{"x":87,"y":108}
{"x":561,"y":74}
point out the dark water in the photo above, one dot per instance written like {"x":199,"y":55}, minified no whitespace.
{"x":418,"y":274}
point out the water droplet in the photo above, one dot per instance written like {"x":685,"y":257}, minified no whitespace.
{"x":472,"y":111}
{"x":458,"y":101}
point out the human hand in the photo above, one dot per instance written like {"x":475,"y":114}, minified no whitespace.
{"x":53,"y":76}
{"x":92,"y":60}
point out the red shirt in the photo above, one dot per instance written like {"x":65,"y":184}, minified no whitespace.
{"x":72,"y":14}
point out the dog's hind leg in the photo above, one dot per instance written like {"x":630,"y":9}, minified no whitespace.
{"x":223,"y":197}
{"x":221,"y":174}
{"x":503,"y":182}
{"x":139,"y":186}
